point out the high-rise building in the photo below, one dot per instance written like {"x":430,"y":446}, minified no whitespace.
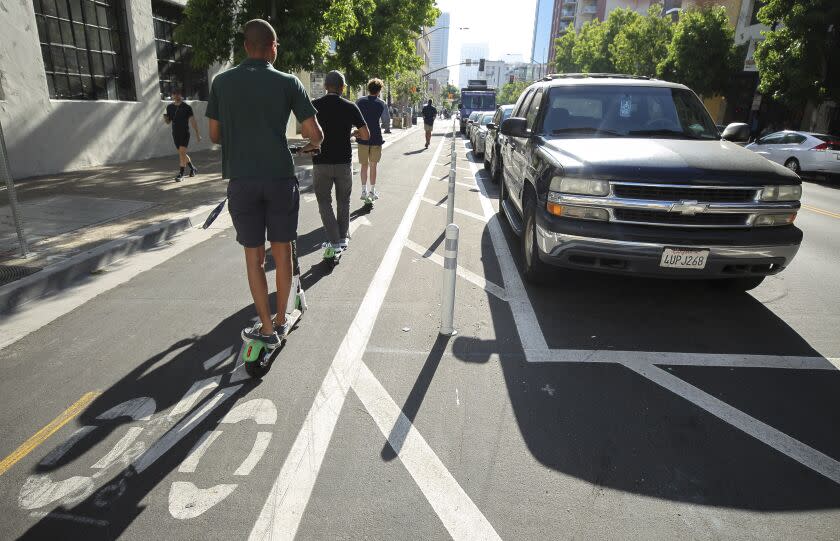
{"x":542,"y":31}
{"x":473,"y":52}
{"x":439,"y":50}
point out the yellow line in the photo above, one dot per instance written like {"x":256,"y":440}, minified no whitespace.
{"x":821,"y":211}
{"x":42,"y":435}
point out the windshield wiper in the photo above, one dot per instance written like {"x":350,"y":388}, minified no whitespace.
{"x":587,"y":129}
{"x":675,"y":133}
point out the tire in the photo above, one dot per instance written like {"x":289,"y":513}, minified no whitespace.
{"x":502,"y":198}
{"x":793,"y":165}
{"x":740,"y":284}
{"x":534,"y":270}
{"x":486,"y":163}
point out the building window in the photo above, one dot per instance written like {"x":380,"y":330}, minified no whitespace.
{"x":175,"y":60}
{"x":85,"y":48}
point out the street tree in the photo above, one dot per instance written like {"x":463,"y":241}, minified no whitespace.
{"x":510,"y":92}
{"x":408,"y":88}
{"x":214,"y":28}
{"x":384,"y":43}
{"x":641,"y":45}
{"x":564,"y":58}
{"x":372,"y":37}
{"x":797,"y":60}
{"x":450,"y":89}
{"x":701,"y":35}
{"x":591,"y":51}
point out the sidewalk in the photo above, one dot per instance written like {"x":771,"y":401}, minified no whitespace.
{"x":78,"y":221}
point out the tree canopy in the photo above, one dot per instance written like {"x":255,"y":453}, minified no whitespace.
{"x":797,"y":60}
{"x":448,"y":89}
{"x":642,"y":44}
{"x":373,"y":38}
{"x":510,"y":92}
{"x":707,"y":30}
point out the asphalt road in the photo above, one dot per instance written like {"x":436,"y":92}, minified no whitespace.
{"x":596,"y":408}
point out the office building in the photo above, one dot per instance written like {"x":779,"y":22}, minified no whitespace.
{"x":439,"y":49}
{"x":473,"y":52}
{"x":542,"y":31}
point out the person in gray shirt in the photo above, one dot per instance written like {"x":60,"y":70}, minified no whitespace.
{"x":249,"y":109}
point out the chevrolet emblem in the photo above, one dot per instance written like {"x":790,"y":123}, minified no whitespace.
{"x":688,"y":208}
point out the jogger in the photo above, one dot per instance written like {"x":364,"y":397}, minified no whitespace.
{"x":181,"y":116}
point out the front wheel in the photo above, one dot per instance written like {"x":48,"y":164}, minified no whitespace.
{"x":535,"y":271}
{"x":793,"y":165}
{"x":746,"y":283}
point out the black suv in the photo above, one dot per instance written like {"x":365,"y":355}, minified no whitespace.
{"x":626,"y":174}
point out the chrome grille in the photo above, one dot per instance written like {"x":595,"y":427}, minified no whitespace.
{"x":669,"y":218}
{"x":679,"y":193}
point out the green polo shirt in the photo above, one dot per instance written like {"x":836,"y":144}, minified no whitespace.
{"x":252,"y":102}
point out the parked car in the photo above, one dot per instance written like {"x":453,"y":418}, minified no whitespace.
{"x":470,"y":120}
{"x":494,"y":141}
{"x":628,"y":175}
{"x":473,"y":127}
{"x":804,"y":153}
{"x":480,"y":133}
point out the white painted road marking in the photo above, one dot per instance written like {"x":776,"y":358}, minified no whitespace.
{"x":527,"y":324}
{"x":188,"y":501}
{"x":283,"y":510}
{"x":793,"y":448}
{"x":190,"y":463}
{"x":468,"y":275}
{"x":439,"y":205}
{"x":456,"y":510}
{"x":257,"y":452}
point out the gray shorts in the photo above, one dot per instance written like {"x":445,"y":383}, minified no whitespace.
{"x":264,"y":209}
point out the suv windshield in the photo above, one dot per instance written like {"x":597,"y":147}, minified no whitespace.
{"x":627,"y":111}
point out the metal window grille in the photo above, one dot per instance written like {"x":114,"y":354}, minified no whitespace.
{"x":85,"y":48}
{"x":175,"y":67}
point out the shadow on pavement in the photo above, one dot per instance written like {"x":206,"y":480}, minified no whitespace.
{"x":165,"y":377}
{"x":613,"y":428}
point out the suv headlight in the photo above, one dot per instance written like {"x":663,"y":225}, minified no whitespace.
{"x":580,"y":186}
{"x":783,"y":192}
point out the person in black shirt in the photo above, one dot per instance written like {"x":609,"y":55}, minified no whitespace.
{"x":181,"y":116}
{"x":429,"y":115}
{"x":333,"y":167}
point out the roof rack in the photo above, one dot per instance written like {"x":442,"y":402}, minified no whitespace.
{"x":552,"y":76}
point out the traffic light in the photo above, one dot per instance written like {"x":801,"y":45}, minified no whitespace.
{"x":481,"y":65}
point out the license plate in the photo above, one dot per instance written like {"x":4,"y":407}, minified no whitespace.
{"x":679,"y":258}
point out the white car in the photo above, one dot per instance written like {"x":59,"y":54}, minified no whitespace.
{"x":480,"y":134}
{"x":806,"y":154}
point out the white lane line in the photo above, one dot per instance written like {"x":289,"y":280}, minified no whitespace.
{"x":439,"y":205}
{"x":793,"y":448}
{"x":456,"y":510}
{"x":195,"y":392}
{"x":119,"y":449}
{"x":468,"y":275}
{"x":218,"y":359}
{"x":527,"y":325}
{"x":190,"y":463}
{"x":174,"y":435}
{"x":641,"y":358}
{"x":257,"y":452}
{"x":284,"y":508}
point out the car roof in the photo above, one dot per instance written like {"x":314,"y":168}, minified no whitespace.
{"x":604,"y":79}
{"x":508,"y":106}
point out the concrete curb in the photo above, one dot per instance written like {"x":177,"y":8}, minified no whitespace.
{"x":58,"y":277}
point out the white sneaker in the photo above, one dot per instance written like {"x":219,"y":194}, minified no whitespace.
{"x":364,"y":195}
{"x":374,"y":194}
{"x":344,"y":243}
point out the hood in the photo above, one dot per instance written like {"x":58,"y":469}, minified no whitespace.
{"x":676,"y":161}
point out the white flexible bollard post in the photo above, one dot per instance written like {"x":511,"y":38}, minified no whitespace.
{"x":450,"y":266}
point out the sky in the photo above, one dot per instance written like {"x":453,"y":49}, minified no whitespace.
{"x":506,"y":25}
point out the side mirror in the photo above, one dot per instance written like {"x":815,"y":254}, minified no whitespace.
{"x":515,"y":127}
{"x":491,"y":126}
{"x":737,"y":132}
